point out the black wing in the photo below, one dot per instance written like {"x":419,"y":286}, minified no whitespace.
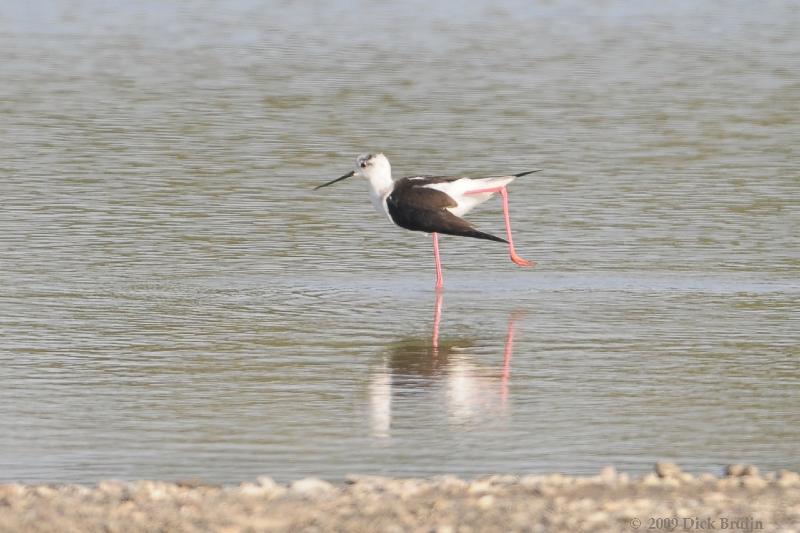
{"x":418,"y":208}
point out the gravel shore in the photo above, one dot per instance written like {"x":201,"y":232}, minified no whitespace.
{"x":665,"y":500}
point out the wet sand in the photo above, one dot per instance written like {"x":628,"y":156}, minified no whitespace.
{"x":665,"y":500}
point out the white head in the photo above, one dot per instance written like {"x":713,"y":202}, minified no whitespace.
{"x":374,"y":167}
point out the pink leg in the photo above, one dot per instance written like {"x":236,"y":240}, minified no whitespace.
{"x":507,"y":353}
{"x":439,"y":278}
{"x":512,"y":251}
{"x":437,"y":317}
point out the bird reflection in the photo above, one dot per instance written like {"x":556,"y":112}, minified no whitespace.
{"x":415,"y":366}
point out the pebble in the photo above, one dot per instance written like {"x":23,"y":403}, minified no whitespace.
{"x":596,"y":518}
{"x":608,"y":475}
{"x":714,"y":498}
{"x":480,"y":486}
{"x":787,"y":478}
{"x":671,"y":482}
{"x":750,"y":470}
{"x":78,"y":490}
{"x":311,"y":486}
{"x":270,"y":487}
{"x":112,"y":488}
{"x":450,"y":483}
{"x":531,"y":481}
{"x":753,"y":482}
{"x":651,"y":480}
{"x":503,"y":479}
{"x":556,"y":479}
{"x":484,"y":502}
{"x":190,"y":483}
{"x":734,"y":470}
{"x":727,"y":483}
{"x":252,"y":489}
{"x":358,"y":479}
{"x":155,"y":490}
{"x":407,"y":488}
{"x":668,"y":470}
{"x":45,"y":491}
{"x":12,"y":489}
{"x":738,"y":470}
{"x":267,"y":482}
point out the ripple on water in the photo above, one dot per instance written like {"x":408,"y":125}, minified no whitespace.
{"x":178,"y":302}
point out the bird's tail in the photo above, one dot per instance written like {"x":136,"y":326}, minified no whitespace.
{"x":495,"y":181}
{"x":526,"y":173}
{"x":476,"y":235}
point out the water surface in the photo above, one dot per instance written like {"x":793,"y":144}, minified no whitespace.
{"x":176,"y":301}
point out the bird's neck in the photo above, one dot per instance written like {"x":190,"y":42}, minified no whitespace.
{"x":380,"y":184}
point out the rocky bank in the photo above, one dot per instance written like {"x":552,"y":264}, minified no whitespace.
{"x":665,"y":500}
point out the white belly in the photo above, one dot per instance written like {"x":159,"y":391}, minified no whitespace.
{"x":467,"y":203}
{"x":459,"y":191}
{"x":379,"y":202}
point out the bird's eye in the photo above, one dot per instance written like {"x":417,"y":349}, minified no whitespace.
{"x":363,"y":164}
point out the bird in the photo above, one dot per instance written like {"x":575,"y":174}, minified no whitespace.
{"x":433,"y":204}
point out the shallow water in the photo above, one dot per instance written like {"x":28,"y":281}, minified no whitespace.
{"x":176,"y":302}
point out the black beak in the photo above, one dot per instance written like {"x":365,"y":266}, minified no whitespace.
{"x":334,"y":181}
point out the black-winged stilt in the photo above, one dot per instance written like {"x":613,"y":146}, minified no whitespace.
{"x":433,"y":204}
